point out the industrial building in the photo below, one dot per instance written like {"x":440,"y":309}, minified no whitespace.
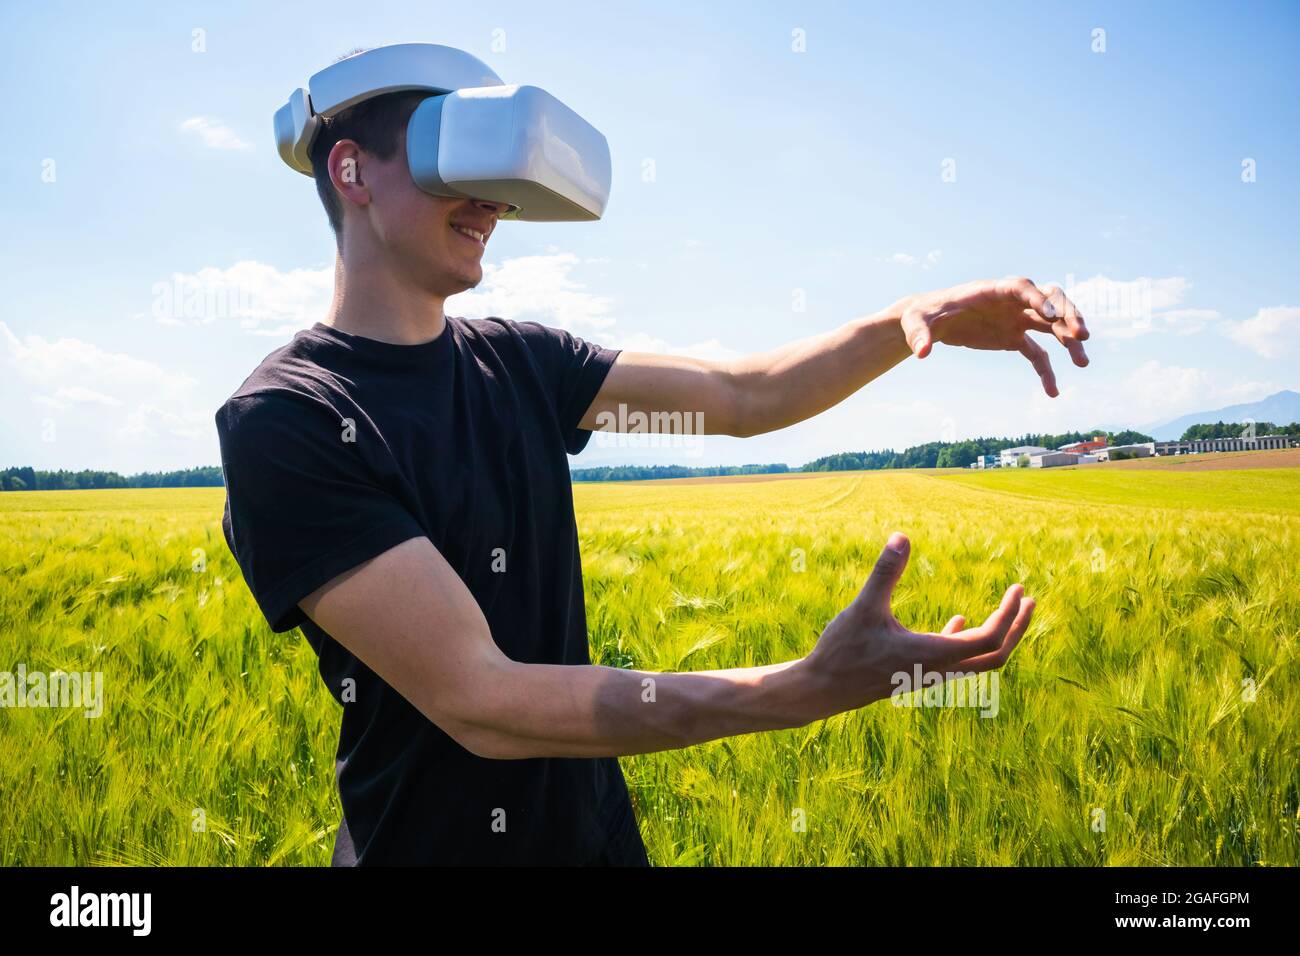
{"x":1089,"y":452}
{"x":1053,"y":459}
{"x":1085,"y":447}
{"x":1120,"y":452}
{"x":1201,"y":445}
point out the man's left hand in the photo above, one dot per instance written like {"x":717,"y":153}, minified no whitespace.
{"x":997,"y":314}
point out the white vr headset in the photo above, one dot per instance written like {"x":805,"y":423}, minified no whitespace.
{"x":474,"y":137}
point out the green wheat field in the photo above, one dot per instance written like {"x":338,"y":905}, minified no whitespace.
{"x":1150,"y":717}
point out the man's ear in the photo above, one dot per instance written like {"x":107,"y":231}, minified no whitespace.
{"x":346,"y":167}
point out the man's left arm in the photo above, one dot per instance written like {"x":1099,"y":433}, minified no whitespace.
{"x":765,"y":392}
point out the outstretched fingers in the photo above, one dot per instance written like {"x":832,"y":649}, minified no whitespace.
{"x":986,"y":639}
{"x":1068,"y":313}
{"x":1041,"y":362}
{"x":995,"y":659}
{"x":1050,"y":310}
{"x":1032,"y":297}
{"x":1069,"y":328}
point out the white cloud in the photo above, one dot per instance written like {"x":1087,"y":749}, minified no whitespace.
{"x":1271,"y":332}
{"x":149,"y":422}
{"x":1188,"y":321}
{"x":79,"y":371}
{"x":1125,"y":309}
{"x":928,"y":261}
{"x":539,"y":288}
{"x":1157,"y":392}
{"x":214,"y":133}
{"x":260,"y":297}
{"x":106,"y":392}
{"x":1146,"y":396}
{"x":711,"y":350}
{"x":1153,"y":387}
{"x":543,"y":288}
{"x":267,"y":301}
{"x":66,"y":396}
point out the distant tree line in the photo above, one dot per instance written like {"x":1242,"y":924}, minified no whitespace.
{"x":29,"y":479}
{"x":649,"y":472}
{"x":959,"y":454}
{"x":935,"y":454}
{"x":1234,"y":430}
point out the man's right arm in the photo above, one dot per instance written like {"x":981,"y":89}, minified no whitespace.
{"x":409,"y":617}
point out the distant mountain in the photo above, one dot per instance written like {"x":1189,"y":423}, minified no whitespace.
{"x":1280,"y":409}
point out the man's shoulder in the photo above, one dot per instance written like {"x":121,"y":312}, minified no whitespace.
{"x":291,"y":377}
{"x":486,"y":329}
{"x":494,"y":327}
{"x":518,"y":339}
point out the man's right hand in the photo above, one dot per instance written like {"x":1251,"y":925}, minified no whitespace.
{"x":409,"y":617}
{"x":858,"y":655}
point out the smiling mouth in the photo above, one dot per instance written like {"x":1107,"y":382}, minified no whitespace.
{"x":472,"y":234}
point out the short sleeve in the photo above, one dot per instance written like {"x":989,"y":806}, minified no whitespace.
{"x":576,"y":369}
{"x":302,"y":506}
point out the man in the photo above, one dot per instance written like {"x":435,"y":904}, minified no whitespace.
{"x":398,"y":488}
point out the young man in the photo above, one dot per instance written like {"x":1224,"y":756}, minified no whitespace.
{"x":398,"y":488}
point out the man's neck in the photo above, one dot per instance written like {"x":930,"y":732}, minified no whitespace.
{"x":371,"y":301}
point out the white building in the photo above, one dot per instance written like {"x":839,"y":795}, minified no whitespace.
{"x":1010,"y":457}
{"x":1201,"y":445}
{"x":1053,"y":459}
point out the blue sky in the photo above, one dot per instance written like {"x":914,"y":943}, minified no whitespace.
{"x":138,"y":164}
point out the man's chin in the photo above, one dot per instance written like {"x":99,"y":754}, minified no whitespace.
{"x":462,"y":280}
{"x":469,"y":280}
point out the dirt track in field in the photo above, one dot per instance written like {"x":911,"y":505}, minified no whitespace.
{"x":1212,"y":461}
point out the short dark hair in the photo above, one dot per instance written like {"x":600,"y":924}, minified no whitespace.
{"x":375,"y":125}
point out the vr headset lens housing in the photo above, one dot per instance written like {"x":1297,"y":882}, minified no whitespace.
{"x":510,"y":144}
{"x":474,"y":137}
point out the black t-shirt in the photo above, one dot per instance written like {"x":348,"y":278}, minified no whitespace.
{"x":339,"y":447}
